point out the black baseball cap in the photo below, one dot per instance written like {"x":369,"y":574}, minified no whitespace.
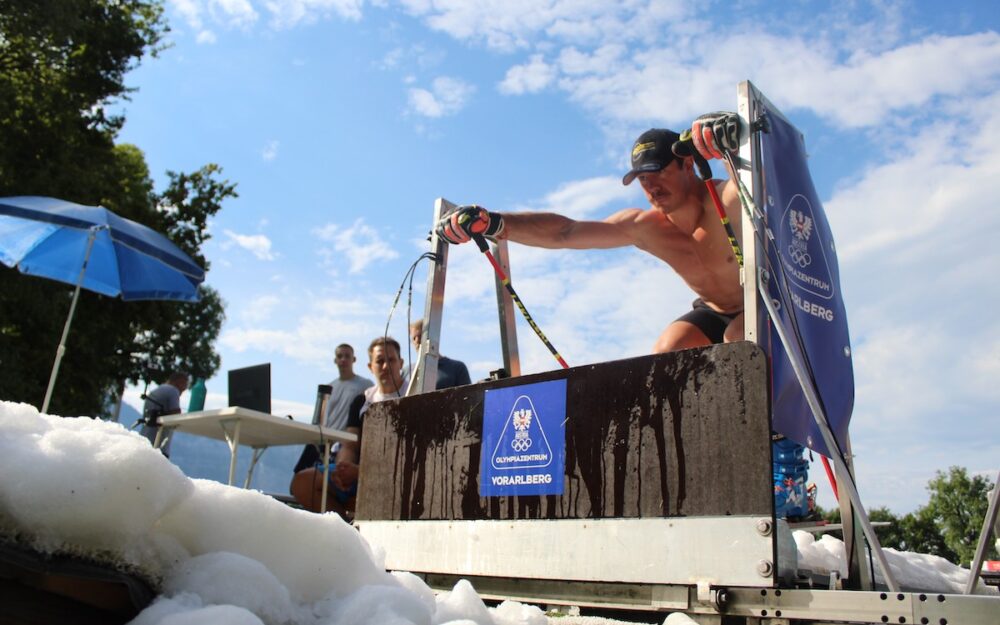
{"x":652,"y":152}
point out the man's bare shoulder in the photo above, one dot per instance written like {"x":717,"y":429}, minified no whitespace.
{"x":632,"y":216}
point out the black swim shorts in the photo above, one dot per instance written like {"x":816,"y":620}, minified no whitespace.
{"x":713,"y":324}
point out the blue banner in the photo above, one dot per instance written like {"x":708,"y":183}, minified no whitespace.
{"x":524,"y":440}
{"x":805,"y":287}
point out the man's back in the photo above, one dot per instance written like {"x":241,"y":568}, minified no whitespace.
{"x":451,"y":373}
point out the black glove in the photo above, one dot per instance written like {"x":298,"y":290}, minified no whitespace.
{"x":715,"y":133}
{"x":467,"y":221}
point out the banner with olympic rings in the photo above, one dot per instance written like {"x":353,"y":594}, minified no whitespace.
{"x":804,"y":285}
{"x":524,"y":440}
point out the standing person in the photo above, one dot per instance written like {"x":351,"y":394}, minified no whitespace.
{"x":386,"y":365}
{"x":450,"y":372}
{"x":681,"y":228}
{"x":162,"y":401}
{"x":344,"y":389}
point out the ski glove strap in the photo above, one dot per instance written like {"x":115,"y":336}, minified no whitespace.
{"x":468,"y":221}
{"x":715,"y":133}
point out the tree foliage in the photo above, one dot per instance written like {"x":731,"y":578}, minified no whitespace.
{"x":62,"y":65}
{"x":958,"y":507}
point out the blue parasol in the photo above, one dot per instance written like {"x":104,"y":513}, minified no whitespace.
{"x":95,"y":249}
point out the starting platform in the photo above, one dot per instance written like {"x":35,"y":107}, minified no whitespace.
{"x":665,"y":479}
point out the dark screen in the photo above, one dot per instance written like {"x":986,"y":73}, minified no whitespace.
{"x":250,"y":387}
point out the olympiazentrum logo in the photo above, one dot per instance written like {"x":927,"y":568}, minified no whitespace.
{"x":522,"y":443}
{"x":802,"y":227}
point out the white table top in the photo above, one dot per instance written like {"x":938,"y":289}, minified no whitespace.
{"x":257,"y":429}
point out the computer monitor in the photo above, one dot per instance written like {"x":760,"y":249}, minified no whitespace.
{"x":250,"y":387}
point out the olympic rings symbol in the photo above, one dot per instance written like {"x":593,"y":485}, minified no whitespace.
{"x":521,"y":444}
{"x":801,"y":257}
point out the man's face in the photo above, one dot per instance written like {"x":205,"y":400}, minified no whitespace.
{"x":668,"y":188}
{"x":344,"y":359}
{"x":387,"y":367}
{"x":415,"y":337}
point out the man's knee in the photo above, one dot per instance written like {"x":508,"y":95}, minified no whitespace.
{"x":734,"y":331}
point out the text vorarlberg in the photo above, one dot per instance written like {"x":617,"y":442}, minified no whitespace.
{"x":516,"y":480}
{"x":813,"y":309}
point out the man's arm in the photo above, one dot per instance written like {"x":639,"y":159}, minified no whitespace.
{"x":350,"y":451}
{"x":730,"y":197}
{"x":549,"y":230}
{"x":554,"y":231}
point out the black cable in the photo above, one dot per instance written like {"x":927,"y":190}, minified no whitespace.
{"x":409,"y":275}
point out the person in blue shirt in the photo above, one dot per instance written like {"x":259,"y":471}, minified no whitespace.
{"x":450,"y":372}
{"x":162,"y":401}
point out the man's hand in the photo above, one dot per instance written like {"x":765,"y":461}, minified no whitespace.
{"x":468,"y":221}
{"x":715,"y":133}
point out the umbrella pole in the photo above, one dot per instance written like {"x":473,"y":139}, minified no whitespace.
{"x":69,"y":319}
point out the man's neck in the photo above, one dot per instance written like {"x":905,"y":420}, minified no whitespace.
{"x":688,"y":217}
{"x":347,"y":376}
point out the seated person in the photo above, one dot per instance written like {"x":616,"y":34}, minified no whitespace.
{"x":164,"y":400}
{"x":450,"y":372}
{"x":307,"y":484}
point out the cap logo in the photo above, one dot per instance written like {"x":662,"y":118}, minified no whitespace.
{"x":642,"y":147}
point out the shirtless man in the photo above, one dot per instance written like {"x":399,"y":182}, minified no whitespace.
{"x":682,"y":228}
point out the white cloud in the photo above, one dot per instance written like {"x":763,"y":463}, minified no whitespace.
{"x":229,"y":13}
{"x":206,"y":37}
{"x":311,"y":337}
{"x":508,"y":25}
{"x":447,"y":96}
{"x":190,"y":10}
{"x":239,"y":13}
{"x":257,"y":244}
{"x":531,"y":77}
{"x":270,"y":151}
{"x":582,"y":198}
{"x":289,"y":13}
{"x":259,"y":309}
{"x":358,"y":245}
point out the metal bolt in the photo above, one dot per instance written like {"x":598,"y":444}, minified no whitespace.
{"x":764,"y":568}
{"x":847,"y":351}
{"x":720,"y":599}
{"x":764,"y":527}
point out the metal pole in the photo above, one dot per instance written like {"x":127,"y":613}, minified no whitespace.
{"x":423,"y":378}
{"x":831,"y":443}
{"x":61,"y":350}
{"x":984,"y":537}
{"x":505,"y":308}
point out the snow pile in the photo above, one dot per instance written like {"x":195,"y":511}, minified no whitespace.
{"x":230,"y":556}
{"x":223,"y":555}
{"x":914,"y":572}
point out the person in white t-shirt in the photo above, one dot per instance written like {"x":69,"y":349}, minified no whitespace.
{"x":386,"y":365}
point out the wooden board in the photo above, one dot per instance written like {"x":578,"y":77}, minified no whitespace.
{"x":679,"y":434}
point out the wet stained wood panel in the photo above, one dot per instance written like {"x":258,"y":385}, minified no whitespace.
{"x":679,"y":434}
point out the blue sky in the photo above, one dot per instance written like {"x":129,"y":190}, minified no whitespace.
{"x":343,"y":120}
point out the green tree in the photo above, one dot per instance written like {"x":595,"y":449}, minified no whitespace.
{"x":62,"y":65}
{"x":958,"y":507}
